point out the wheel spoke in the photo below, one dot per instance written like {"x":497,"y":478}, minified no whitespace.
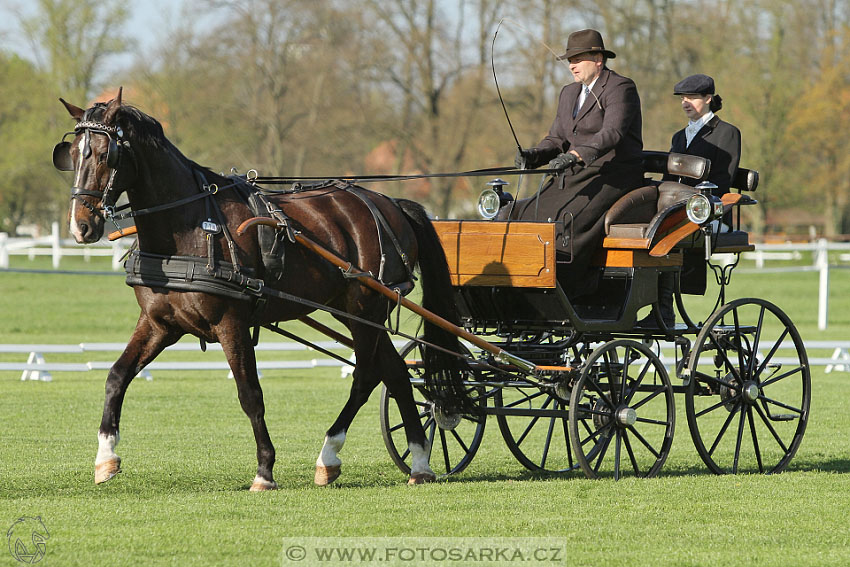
{"x":660,"y":390}
{"x":706,"y":378}
{"x":547,"y":443}
{"x":595,"y":434}
{"x":751,"y":364}
{"x":773,"y":350}
{"x":532,"y":423}
{"x":719,"y":404}
{"x":569,"y":447}
{"x":722,"y":352}
{"x":607,"y":443}
{"x":770,"y":428}
{"x":738,"y":441}
{"x":740,"y":339}
{"x":780,"y":404}
{"x":592,"y":383}
{"x":776,"y":379}
{"x":611,"y":384}
{"x":755,"y":438}
{"x":617,"y":446}
{"x":644,"y":442}
{"x":631,"y":453}
{"x":624,"y":378}
{"x":460,"y":441}
{"x":637,"y":383}
{"x":653,"y":421}
{"x":445,"y":446}
{"x":722,"y":430}
{"x":527,"y":398}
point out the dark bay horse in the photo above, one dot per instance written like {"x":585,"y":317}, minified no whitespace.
{"x":118,"y":149}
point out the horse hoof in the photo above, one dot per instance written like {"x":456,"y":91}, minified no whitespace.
{"x":421,"y":478}
{"x":326,"y":475}
{"x":260,"y":485}
{"x":106,"y":470}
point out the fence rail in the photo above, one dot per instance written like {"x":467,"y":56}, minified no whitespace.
{"x":37,"y":368}
{"x":820,"y":250}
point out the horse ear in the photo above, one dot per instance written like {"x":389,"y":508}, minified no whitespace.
{"x":74,"y":111}
{"x":112,"y":107}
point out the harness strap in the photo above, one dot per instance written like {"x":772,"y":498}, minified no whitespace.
{"x":380,"y":221}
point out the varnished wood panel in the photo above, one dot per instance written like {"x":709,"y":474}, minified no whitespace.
{"x":494,"y":253}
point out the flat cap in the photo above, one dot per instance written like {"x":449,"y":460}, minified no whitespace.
{"x":695,"y":84}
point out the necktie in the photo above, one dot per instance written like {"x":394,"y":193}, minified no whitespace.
{"x":581,"y":98}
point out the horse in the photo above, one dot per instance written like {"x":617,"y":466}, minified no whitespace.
{"x":187,"y":213}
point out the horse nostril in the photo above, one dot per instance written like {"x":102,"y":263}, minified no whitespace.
{"x":84,"y":228}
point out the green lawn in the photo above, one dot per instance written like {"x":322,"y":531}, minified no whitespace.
{"x":189,"y":456}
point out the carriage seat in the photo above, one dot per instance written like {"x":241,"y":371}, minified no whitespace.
{"x":632,"y":214}
{"x":638,"y":215}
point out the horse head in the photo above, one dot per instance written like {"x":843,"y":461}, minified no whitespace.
{"x":102,"y":162}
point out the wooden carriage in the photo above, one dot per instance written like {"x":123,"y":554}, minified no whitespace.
{"x":600,"y":397}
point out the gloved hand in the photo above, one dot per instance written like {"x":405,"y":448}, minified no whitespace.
{"x":563,"y":161}
{"x":530,"y":158}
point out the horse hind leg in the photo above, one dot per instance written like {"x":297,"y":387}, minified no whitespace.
{"x":376,"y":359}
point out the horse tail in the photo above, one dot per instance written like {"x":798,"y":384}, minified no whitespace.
{"x":444,"y":372}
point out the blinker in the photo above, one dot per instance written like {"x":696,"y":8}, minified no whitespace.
{"x":62,"y":157}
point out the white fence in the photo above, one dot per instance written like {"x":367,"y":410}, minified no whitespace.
{"x":820,"y":251}
{"x":37,"y":368}
{"x":57,"y":248}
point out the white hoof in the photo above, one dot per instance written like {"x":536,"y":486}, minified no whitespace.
{"x":421,"y":478}
{"x":106,"y":470}
{"x":260,"y":485}
{"x":326,"y":475}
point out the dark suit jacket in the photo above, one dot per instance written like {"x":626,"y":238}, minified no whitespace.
{"x":718,"y":141}
{"x":607,"y":131}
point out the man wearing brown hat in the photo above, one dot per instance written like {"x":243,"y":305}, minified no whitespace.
{"x":595,"y":142}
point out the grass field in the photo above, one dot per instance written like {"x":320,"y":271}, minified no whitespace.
{"x":188,"y":458}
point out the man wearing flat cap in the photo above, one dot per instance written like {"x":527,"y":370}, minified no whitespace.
{"x":595,"y":142}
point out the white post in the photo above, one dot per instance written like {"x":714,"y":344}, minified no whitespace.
{"x":822,"y":262}
{"x":4,"y":252}
{"x":117,"y":254}
{"x":54,"y":239}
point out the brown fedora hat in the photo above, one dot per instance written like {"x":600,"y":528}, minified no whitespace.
{"x":585,"y":41}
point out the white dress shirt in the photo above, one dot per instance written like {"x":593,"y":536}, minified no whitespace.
{"x":695,"y":126}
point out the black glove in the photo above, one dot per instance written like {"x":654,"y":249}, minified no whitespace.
{"x":563,"y":161}
{"x":528,"y":158}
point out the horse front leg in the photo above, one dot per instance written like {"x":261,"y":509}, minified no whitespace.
{"x":239,"y":350}
{"x":145,"y":344}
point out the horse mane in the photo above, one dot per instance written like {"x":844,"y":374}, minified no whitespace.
{"x":140,"y":128}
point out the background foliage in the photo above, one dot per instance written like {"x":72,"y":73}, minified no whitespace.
{"x":368,"y":86}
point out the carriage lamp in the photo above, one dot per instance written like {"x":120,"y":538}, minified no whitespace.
{"x":493,"y":198}
{"x":704,"y":206}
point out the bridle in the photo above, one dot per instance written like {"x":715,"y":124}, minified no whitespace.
{"x":115,"y":149}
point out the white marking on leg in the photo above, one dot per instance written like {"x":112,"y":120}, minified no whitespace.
{"x":106,"y":448}
{"x":419,"y":459}
{"x":333,"y":445}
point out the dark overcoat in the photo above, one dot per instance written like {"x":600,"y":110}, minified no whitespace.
{"x":718,"y":141}
{"x":606,"y":133}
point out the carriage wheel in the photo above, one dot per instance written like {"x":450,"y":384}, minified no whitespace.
{"x":533,"y":423}
{"x":455,"y":439}
{"x":622,"y":413}
{"x":537,"y":434}
{"x":747,"y":407}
